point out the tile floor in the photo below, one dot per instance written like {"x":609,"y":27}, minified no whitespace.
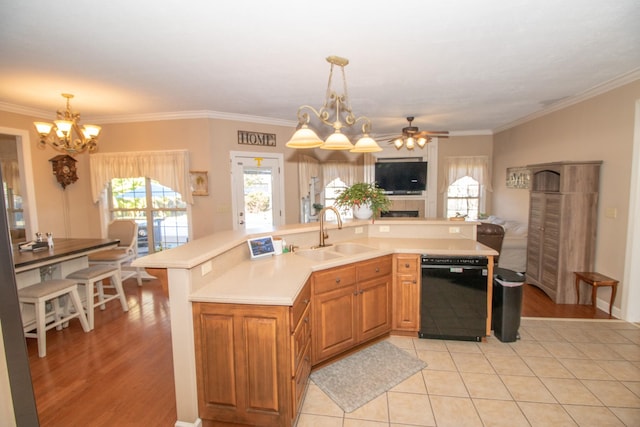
{"x":560,"y":373}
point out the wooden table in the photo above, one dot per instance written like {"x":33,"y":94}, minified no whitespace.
{"x":595,"y":280}
{"x":66,"y":256}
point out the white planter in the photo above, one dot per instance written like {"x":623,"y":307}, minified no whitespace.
{"x":362,"y":212}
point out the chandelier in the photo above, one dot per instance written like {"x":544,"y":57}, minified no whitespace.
{"x":335,"y":112}
{"x":66,"y":134}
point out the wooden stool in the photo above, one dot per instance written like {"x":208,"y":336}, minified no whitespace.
{"x":93,"y":276}
{"x":39,"y":295}
{"x":595,"y":280}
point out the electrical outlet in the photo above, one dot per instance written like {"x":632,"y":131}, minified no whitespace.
{"x":206,"y":268}
{"x":358,"y":230}
{"x":384,"y":229}
{"x":454,"y":230}
{"x":611,"y":212}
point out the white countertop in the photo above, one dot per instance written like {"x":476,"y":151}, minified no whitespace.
{"x":277,"y":280}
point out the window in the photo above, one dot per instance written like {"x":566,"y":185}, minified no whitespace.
{"x":465,"y":185}
{"x":463,"y":198}
{"x":160,"y":212}
{"x":331,"y":191}
{"x":13,"y":202}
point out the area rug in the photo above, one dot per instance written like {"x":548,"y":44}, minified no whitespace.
{"x":355,"y":380}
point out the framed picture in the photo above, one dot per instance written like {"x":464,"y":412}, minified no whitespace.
{"x":199,"y":183}
{"x":518,"y":177}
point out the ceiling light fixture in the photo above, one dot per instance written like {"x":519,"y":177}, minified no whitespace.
{"x":412,"y":136}
{"x":335,"y":112}
{"x":66,"y":134}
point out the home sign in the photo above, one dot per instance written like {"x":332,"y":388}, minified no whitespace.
{"x":256,"y":138}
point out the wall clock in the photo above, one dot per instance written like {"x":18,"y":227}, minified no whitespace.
{"x":64,"y":169}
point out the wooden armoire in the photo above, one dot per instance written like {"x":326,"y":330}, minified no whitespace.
{"x":562,"y":225}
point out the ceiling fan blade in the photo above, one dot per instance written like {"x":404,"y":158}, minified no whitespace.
{"x":432,"y":132}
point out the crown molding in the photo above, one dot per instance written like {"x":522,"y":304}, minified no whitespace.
{"x":607,"y":86}
{"x":471,"y":132}
{"x":151,"y":117}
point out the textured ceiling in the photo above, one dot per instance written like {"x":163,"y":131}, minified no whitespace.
{"x":455,"y":65}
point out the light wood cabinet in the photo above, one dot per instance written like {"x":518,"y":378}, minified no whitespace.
{"x":350,"y":305}
{"x":252,"y":361}
{"x":562,"y":226}
{"x":406,"y":292}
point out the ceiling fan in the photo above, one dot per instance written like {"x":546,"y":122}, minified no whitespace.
{"x":412,"y":136}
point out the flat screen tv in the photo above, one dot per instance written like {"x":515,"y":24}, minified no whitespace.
{"x":401,"y":177}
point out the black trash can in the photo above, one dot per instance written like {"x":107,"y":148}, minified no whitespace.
{"x":506,"y":304}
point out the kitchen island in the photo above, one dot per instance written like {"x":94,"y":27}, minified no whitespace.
{"x":217,"y":270}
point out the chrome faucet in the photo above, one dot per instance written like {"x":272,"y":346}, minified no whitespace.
{"x":323,"y":233}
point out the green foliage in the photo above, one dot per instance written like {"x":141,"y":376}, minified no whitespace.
{"x":364,"y":193}
{"x":257,"y":201}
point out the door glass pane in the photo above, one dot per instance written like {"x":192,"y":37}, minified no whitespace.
{"x":257,"y":197}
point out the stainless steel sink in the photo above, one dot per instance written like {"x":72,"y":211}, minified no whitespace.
{"x":351,"y":248}
{"x":317,"y":254}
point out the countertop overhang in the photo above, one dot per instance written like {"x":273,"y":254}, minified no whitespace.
{"x":277,"y":280}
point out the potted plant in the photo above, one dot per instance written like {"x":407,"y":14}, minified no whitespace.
{"x":363,"y":196}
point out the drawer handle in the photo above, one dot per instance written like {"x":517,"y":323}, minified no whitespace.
{"x":414,"y":281}
{"x":361,"y":292}
{"x":306,"y":301}
{"x":337,"y":280}
{"x":406,"y":266}
{"x":306,"y":319}
{"x":377,"y":269}
{"x":355,"y":293}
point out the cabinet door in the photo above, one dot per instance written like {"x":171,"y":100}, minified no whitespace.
{"x":406,"y":293}
{"x":534,"y":238}
{"x":551,"y":243}
{"x":333,"y":323}
{"x":244,"y":373}
{"x":406,"y":303}
{"x":374,"y":308}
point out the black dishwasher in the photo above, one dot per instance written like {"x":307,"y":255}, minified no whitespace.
{"x":453,"y":302}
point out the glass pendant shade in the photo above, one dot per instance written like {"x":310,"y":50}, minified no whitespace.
{"x":421,"y":142}
{"x":366,"y":144}
{"x":91,"y":131}
{"x":337,"y":141}
{"x":304,"y":138}
{"x":410,"y":143}
{"x":43,"y":128}
{"x":398,"y":143}
{"x":64,"y":126}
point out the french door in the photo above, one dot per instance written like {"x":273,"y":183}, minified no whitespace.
{"x":257,"y":189}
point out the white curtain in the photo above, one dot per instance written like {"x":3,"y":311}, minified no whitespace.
{"x":169,"y":168}
{"x":347,"y":172}
{"x":308,"y":167}
{"x":477,"y":167}
{"x":11,"y":175}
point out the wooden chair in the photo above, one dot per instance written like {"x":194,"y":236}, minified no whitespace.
{"x":48,"y":313}
{"x":91,"y":279}
{"x":125,"y":230}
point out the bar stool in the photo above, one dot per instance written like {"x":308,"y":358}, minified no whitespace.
{"x":50,"y":291}
{"x":93,"y":276}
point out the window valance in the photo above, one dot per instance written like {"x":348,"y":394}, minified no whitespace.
{"x":477,"y":167}
{"x":169,"y":168}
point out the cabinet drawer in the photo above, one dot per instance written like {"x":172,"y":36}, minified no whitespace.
{"x":300,"y":339}
{"x":373,"y":268}
{"x":300,"y":305}
{"x":407,"y":264}
{"x":335,"y":278}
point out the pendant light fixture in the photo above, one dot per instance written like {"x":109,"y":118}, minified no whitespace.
{"x":335,"y":112}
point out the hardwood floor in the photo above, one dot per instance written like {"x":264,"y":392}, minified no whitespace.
{"x":121,"y":373}
{"x":535,"y":303}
